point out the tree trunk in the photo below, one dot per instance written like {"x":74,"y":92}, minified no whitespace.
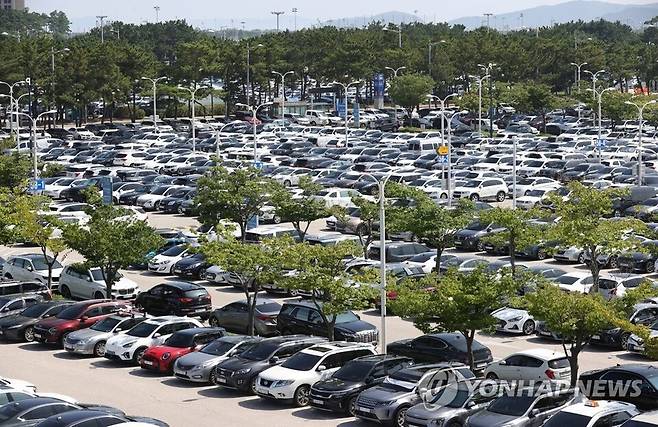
{"x":470,"y":336}
{"x":437,"y":263}
{"x":512,"y":250}
{"x":330,"y":329}
{"x":595,"y":270}
{"x":252,"y":308}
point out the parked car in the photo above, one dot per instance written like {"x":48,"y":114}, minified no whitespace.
{"x":80,"y":418}
{"x":131,"y":346}
{"x":594,"y":413}
{"x":641,"y":261}
{"x":292,"y":380}
{"x":486,"y":189}
{"x":20,"y":327}
{"x":643,"y":314}
{"x":241,"y":371}
{"x":607,"y":383}
{"x":441,"y":347}
{"x":76,"y":280}
{"x":92,"y":341}
{"x":234,"y":317}
{"x":397,"y":251}
{"x":31,"y":267}
{"x":201,"y":366}
{"x":161,"y":358}
{"x":29,"y":412}
{"x":9,"y":288}
{"x":339,"y":392}
{"x":163,"y":263}
{"x":304,"y":317}
{"x":10,"y":306}
{"x":537,"y":364}
{"x":175,"y":298}
{"x":471,"y":237}
{"x":514,"y":320}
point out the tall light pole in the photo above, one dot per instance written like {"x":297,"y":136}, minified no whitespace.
{"x":278,"y":14}
{"x":155,"y":98}
{"x":254,"y":110}
{"x":514,"y":142}
{"x":102,"y":19}
{"x":487,"y":70}
{"x":294,"y":11}
{"x":578,"y":68}
{"x":480,"y":80}
{"x":217,"y":139}
{"x":395,"y":70}
{"x":283,"y":89}
{"x":399,"y":31}
{"x":599,"y":96}
{"x":249,"y":48}
{"x":54,"y":52}
{"x":193,"y":95}
{"x":595,"y":77}
{"x":157,"y":14}
{"x":442,"y":101}
{"x":12,"y":101}
{"x":345,"y":88}
{"x":34,"y":121}
{"x":429,"y":55}
{"x":382,"y":255}
{"x":640,"y":110}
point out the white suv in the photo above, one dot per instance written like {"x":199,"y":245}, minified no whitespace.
{"x":482,"y":189}
{"x":81,"y":282}
{"x":31,"y":268}
{"x":534,"y":364}
{"x":132,"y":345}
{"x":292,"y":380}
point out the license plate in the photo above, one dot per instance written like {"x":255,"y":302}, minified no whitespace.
{"x":109,"y":353}
{"x":68,"y":347}
{"x":38,"y":336}
{"x":366,"y":410}
{"x":317,"y":402}
{"x":147,"y":362}
{"x":596,"y":337}
{"x":221,"y":380}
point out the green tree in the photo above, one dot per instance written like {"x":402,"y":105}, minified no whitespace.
{"x":237,"y":196}
{"x":301,"y":210}
{"x":534,"y":98}
{"x":410,"y":90}
{"x":14,"y":170}
{"x":368,"y":217}
{"x":457,"y":301}
{"x":112,"y":242}
{"x":320,"y":271}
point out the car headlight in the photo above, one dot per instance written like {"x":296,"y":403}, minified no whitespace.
{"x":243,"y":371}
{"x":516,"y":319}
{"x":52,"y":331}
{"x":282,"y":383}
{"x":203,"y":365}
{"x":436,"y":423}
{"x":166,"y":356}
{"x":128,"y":344}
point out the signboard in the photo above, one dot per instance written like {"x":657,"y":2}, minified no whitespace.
{"x":442,"y":150}
{"x":379,"y":85}
{"x":443,"y":160}
{"x":356,"y":115}
{"x":601,"y":143}
{"x":258,"y":164}
{"x":107,"y":191}
{"x":37,"y":185}
{"x":340,"y":108}
{"x":253,"y":222}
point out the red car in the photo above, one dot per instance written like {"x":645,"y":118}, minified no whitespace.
{"x":80,"y":315}
{"x":161,"y":358}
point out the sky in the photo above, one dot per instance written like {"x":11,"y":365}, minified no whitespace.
{"x":212,"y":14}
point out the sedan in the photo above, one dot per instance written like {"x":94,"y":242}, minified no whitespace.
{"x":234,"y":317}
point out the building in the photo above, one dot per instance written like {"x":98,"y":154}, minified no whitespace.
{"x":12,"y":4}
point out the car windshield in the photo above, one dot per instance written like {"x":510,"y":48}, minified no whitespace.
{"x":174,"y":250}
{"x":106,"y":325}
{"x":180,"y":340}
{"x":568,"y":419}
{"x":36,"y":310}
{"x":41,"y":263}
{"x":71,"y":313}
{"x":142,"y":330}
{"x":217,"y":348}
{"x":353,"y":371}
{"x":458,"y":397}
{"x":301,"y":362}
{"x":472,"y":184}
{"x":8,"y":412}
{"x":511,"y":405}
{"x":260,"y":351}
{"x":346,"y":317}
{"x":566,"y":280}
{"x":98,"y":276}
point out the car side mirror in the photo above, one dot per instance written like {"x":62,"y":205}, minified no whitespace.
{"x":470,"y":404}
{"x":117,"y":330}
{"x":157,"y":335}
{"x":88,"y":279}
{"x":321,"y":368}
{"x":274,"y":360}
{"x":502,"y":363}
{"x":84,"y":318}
{"x":534,"y":413}
{"x":29,"y":268}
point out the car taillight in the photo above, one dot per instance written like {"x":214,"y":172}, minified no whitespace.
{"x":550,"y":374}
{"x":264,"y":318}
{"x":185,"y":300}
{"x":613,"y":291}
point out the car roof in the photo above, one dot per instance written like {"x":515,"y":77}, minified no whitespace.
{"x":651,"y":417}
{"x":637,"y":368}
{"x":540,"y":353}
{"x":293,"y":338}
{"x":200,"y":330}
{"x":591,"y":408}
{"x":34,"y":402}
{"x":166,"y":319}
{"x":69,"y":417}
{"x":183,"y":286}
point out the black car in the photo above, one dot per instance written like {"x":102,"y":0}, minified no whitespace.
{"x":241,"y":372}
{"x":303,"y":317}
{"x":339,"y":392}
{"x":192,"y":266}
{"x":641,"y":380}
{"x":441,"y":347}
{"x":397,"y":251}
{"x":471,"y":237}
{"x":643,"y":314}
{"x":175,"y":298}
{"x":130,"y":197}
{"x":96,"y":418}
{"x":19,"y":327}
{"x":640,"y":262}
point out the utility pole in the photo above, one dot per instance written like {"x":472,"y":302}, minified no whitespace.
{"x":488,"y":16}
{"x":157,"y":14}
{"x":278,"y":15}
{"x":295,"y":10}
{"x":102,"y":19}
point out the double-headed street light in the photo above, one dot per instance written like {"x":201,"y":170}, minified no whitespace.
{"x":396,"y":30}
{"x":345,"y":88}
{"x":155,"y":97}
{"x":283,"y":86}
{"x":193,"y":94}
{"x":254,"y":110}
{"x":595,"y":77}
{"x":598,"y":94}
{"x":395,"y":70}
{"x":640,"y":110}
{"x":12,"y":101}
{"x":381,"y":185}
{"x":34,"y":138}
{"x":480,"y":80}
{"x":578,"y":68}
{"x":443,"y":101}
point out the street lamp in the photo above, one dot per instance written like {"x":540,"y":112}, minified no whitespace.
{"x":217,"y":139}
{"x":254,"y":111}
{"x":345,"y":88}
{"x":193,"y":94}
{"x":54,"y":52}
{"x":487,"y":70}
{"x":382,"y":255}
{"x":155,"y":96}
{"x":395,"y":70}
{"x":578,"y":67}
{"x":599,"y":95}
{"x":480,"y":80}
{"x":249,"y":49}
{"x":442,"y":101}
{"x":11,"y":101}
{"x":283,"y":85}
{"x":34,"y":138}
{"x":399,"y":31}
{"x":640,"y":110}
{"x":429,"y":55}
{"x":594,"y":79}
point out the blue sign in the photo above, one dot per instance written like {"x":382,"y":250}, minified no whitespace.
{"x":601,"y":143}
{"x":107,"y":191}
{"x":356,"y":114}
{"x":258,"y":165}
{"x":340,"y":108}
{"x":253,"y":222}
{"x":38,"y":185}
{"x":443,"y":160}
{"x":379,"y":85}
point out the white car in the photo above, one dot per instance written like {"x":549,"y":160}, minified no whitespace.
{"x":69,"y":212}
{"x":531,"y":198}
{"x":292,"y":380}
{"x":164,"y":263}
{"x":18,"y":384}
{"x":31,"y":268}
{"x":152,"y":200}
{"x":12,"y":394}
{"x":533,"y":364}
{"x":336,"y":197}
{"x":424,"y":260}
{"x":597,"y":413}
{"x":647,"y":419}
{"x":130,"y":158}
{"x":80,"y":282}
{"x":525,"y":185}
{"x":575,"y":282}
{"x":55,"y":188}
{"x":482,"y":189}
{"x":132,"y":345}
{"x":514,"y":320}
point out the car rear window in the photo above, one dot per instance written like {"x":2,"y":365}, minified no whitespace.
{"x":560,"y":363}
{"x":196,"y":293}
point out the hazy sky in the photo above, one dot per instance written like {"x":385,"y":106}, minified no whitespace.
{"x":213,"y":13}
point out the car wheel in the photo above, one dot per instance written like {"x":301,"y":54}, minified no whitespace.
{"x":276,"y":219}
{"x":351,"y":407}
{"x":443,"y":196}
{"x":541,"y":255}
{"x":9,"y":276}
{"x":66,"y":292}
{"x":252,"y":385}
{"x":62,"y":339}
{"x":500,"y":196}
{"x":137,"y":356}
{"x":623,"y":340}
{"x":529,"y":327}
{"x":650,"y":266}
{"x":99,"y":295}
{"x":287,"y":183}
{"x":28,"y":334}
{"x":293,"y":293}
{"x":581,"y":258}
{"x":213,"y":322}
{"x":212,"y":377}
{"x":180,"y":210}
{"x":492,"y":376}
{"x":301,"y":396}
{"x":613,"y":262}
{"x":400,"y":416}
{"x":480,"y":246}
{"x":99,"y":349}
{"x":475,"y":197}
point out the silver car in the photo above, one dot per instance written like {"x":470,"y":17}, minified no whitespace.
{"x":199,"y":367}
{"x":92,"y":340}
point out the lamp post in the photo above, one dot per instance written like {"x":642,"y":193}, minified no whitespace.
{"x":578,"y":68}
{"x":514,"y":142}
{"x":442,"y":101}
{"x":640,"y":110}
{"x":155,"y":97}
{"x":193,"y":94}
{"x":429,"y":55}
{"x":345,"y":88}
{"x":487,"y":70}
{"x":283,"y":89}
{"x":381,"y":185}
{"x":449,"y":181}
{"x":480,"y":80}
{"x":594,"y":79}
{"x":395,"y":70}
{"x":249,"y":49}
{"x":399,"y":31}
{"x":11,"y":101}
{"x":217,"y":139}
{"x":254,"y":111}
{"x":599,"y":95}
{"x":34,"y":138}
{"x":54,"y":52}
